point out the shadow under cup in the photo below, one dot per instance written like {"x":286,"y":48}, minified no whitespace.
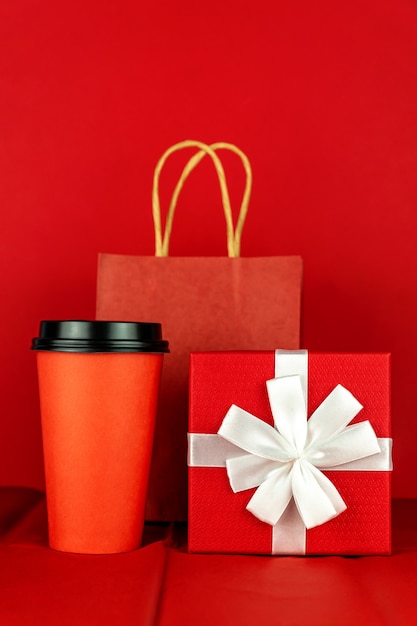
{"x":98,"y":388}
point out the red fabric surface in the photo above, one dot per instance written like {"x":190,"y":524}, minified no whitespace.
{"x":218,"y":519}
{"x":39,"y":586}
{"x":291,"y":591}
{"x":162,"y":585}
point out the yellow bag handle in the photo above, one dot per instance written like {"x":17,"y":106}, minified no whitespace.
{"x":233,"y":236}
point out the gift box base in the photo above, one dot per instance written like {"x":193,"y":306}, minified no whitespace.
{"x":218,"y":518}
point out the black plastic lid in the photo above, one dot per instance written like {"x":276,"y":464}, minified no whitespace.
{"x":94,"y":336}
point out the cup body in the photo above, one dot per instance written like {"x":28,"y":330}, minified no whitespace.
{"x":98,"y":417}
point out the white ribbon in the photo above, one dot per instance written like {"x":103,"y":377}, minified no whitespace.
{"x":284,"y":462}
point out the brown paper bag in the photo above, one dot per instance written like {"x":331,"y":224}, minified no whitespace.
{"x":204,"y":304}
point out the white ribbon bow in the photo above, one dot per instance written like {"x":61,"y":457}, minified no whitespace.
{"x":284,"y":462}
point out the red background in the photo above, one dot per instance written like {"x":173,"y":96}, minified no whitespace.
{"x":320,"y":95}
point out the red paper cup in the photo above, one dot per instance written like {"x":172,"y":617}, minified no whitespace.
{"x":98,"y":385}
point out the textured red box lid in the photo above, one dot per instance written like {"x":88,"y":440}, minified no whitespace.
{"x":218,"y":519}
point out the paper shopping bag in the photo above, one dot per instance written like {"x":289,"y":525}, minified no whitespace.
{"x":203,"y":304}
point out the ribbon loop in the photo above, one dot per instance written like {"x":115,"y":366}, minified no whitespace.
{"x":333,"y":414}
{"x":354,"y":442}
{"x":248,"y":471}
{"x":272,"y":497}
{"x":253,"y":435}
{"x":317,"y":499}
{"x":288,"y":406}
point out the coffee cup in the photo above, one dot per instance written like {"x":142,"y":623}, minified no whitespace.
{"x":98,"y":390}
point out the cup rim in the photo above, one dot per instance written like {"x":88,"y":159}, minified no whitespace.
{"x":100,"y":336}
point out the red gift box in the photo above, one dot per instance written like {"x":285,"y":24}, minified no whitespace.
{"x":218,"y":518}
